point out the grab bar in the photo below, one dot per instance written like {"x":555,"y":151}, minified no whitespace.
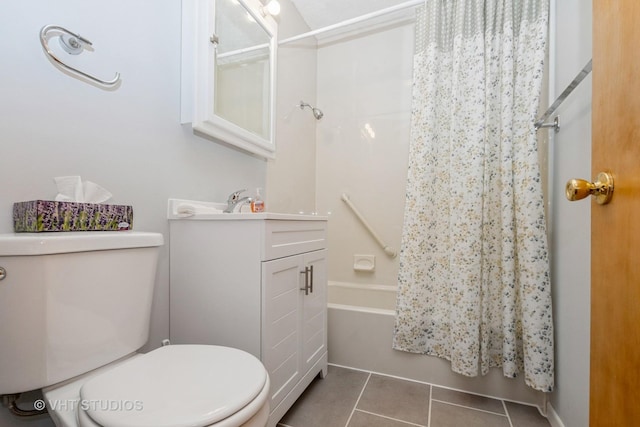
{"x":387,"y":249}
{"x":73,"y":44}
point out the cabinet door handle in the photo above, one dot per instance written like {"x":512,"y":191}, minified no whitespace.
{"x":311,"y":279}
{"x":306,"y":280}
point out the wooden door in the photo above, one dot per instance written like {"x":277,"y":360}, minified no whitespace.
{"x":615,"y":228}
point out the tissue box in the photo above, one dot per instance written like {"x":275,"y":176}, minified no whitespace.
{"x":47,"y":215}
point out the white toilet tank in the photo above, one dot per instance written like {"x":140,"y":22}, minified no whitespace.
{"x":72,"y":302}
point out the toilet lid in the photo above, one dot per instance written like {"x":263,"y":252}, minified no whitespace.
{"x":175,"y":385}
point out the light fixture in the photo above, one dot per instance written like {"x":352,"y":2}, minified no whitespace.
{"x":271,"y":8}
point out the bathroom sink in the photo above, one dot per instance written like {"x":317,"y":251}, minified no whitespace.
{"x":179,"y":209}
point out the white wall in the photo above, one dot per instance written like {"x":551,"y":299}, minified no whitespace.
{"x":364,"y":89}
{"x":571,"y":236}
{"x":129,"y":140}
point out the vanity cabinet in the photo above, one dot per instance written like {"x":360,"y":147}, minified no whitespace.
{"x":258,"y":284}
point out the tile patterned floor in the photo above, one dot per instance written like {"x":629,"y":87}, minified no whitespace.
{"x":348,"y":398}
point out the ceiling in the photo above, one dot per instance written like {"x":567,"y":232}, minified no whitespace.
{"x":320,"y":13}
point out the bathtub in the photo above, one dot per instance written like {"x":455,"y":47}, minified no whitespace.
{"x":379,"y":299}
{"x":360,"y":331}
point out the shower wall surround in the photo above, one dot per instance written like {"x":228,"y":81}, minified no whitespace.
{"x":364,"y":90}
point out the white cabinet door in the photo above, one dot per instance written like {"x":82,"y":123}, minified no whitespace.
{"x":282,"y":314}
{"x":295,"y":323}
{"x":314,"y":310}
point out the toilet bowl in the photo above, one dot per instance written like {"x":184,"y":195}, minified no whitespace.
{"x":172,"y":386}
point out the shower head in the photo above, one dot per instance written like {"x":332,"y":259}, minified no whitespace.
{"x":317,"y":113}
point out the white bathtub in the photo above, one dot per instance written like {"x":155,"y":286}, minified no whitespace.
{"x":361,"y":321}
{"x":371,"y":298}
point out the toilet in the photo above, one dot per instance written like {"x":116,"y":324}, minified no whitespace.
{"x":75,"y":309}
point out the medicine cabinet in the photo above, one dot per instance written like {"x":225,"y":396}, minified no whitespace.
{"x":228,"y":73}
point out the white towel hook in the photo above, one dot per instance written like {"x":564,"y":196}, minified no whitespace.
{"x":73,"y":44}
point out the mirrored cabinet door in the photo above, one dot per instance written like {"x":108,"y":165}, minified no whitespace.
{"x":228,"y":82}
{"x":242,"y":69}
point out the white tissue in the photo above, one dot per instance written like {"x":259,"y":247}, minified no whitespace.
{"x":93,"y":193}
{"x":69,"y":188}
{"x":72,"y":189}
{"x":191,"y":209}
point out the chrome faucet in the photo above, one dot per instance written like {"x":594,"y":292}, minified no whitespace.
{"x":235,"y":200}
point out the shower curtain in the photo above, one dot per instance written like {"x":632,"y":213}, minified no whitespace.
{"x":474,"y":273}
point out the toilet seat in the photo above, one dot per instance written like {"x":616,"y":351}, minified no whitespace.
{"x":176,"y":386}
{"x":194,"y":385}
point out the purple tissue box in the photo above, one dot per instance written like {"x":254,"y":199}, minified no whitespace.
{"x":48,"y":215}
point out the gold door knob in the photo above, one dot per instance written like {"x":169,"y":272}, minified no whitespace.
{"x":602,"y":189}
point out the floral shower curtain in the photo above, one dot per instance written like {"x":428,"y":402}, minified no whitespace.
{"x":474,"y":272}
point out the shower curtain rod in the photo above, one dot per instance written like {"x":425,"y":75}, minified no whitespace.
{"x":365,"y":17}
{"x":563,"y":96}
